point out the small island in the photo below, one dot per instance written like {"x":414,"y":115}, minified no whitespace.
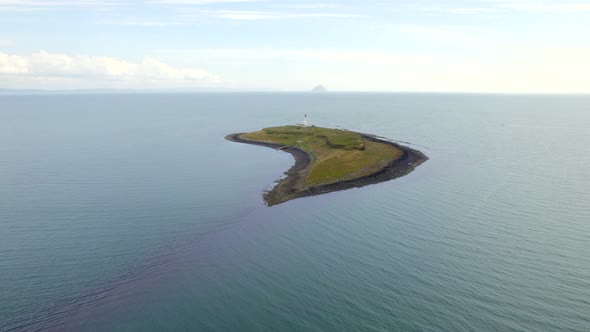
{"x":319,"y":89}
{"x":328,"y":160}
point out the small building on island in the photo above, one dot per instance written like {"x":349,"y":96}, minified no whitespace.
{"x":304,"y":124}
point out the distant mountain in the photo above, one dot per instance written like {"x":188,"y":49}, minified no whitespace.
{"x":319,"y":88}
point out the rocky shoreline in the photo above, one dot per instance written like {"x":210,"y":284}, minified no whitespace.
{"x":293,"y":185}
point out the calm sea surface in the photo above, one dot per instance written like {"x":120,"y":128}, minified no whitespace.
{"x":132,"y":213}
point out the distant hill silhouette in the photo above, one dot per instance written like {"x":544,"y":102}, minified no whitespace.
{"x":319,"y":88}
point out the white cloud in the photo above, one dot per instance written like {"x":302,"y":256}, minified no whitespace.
{"x":313,"y":6}
{"x":238,"y":14}
{"x":267,"y":15}
{"x":541,"y":6}
{"x":188,"y":16}
{"x":49,"y":3}
{"x":200,"y":2}
{"x":29,"y":5}
{"x":490,"y":7}
{"x":141,"y":23}
{"x":461,"y":10}
{"x":550,"y":8}
{"x":48,"y":65}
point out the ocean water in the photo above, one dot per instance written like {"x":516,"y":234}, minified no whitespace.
{"x":132,"y":213}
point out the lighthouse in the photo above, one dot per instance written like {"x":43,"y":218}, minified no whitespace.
{"x":305,"y":120}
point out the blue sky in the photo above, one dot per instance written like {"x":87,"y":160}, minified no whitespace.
{"x":508,"y":46}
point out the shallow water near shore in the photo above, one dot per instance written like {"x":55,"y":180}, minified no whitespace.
{"x":133,"y":213}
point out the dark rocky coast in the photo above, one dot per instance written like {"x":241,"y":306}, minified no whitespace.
{"x":293,"y":185}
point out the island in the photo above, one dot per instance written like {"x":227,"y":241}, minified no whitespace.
{"x":320,"y":88}
{"x":328,"y":160}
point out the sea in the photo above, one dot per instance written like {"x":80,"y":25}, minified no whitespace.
{"x":131,"y":212}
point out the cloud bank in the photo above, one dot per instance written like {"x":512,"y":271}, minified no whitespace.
{"x":508,"y":70}
{"x":48,"y":65}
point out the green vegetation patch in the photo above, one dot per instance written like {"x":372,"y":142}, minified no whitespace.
{"x":336,"y":154}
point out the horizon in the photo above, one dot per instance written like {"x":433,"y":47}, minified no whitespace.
{"x":108,"y":91}
{"x":458,"y":46}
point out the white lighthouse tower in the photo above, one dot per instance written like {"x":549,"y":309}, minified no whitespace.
{"x":305,"y":120}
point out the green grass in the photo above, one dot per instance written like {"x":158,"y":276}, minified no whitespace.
{"x":336,"y":154}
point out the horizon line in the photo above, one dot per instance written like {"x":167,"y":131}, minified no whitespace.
{"x":8,"y":91}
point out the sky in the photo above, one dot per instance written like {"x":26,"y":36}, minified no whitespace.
{"x":495,"y":46}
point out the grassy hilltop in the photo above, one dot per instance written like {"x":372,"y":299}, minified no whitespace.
{"x":336,"y":154}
